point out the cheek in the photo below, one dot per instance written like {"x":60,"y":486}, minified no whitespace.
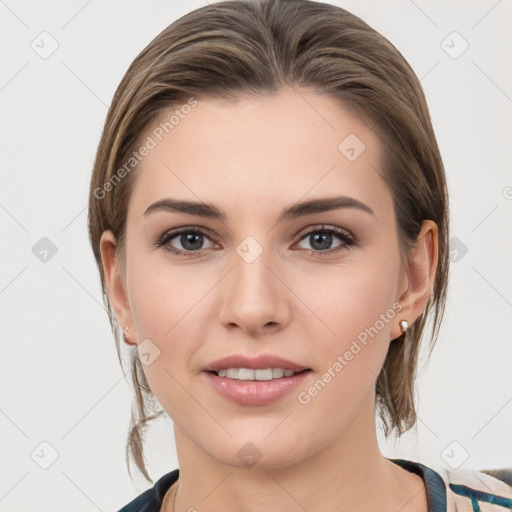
{"x":164,"y":295}
{"x":169,"y":309}
{"x":349,"y":299}
{"x":356,"y":306}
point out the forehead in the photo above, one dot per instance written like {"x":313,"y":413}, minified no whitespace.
{"x":258,"y":151}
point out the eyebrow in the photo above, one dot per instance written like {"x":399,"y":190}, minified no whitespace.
{"x":310,"y":207}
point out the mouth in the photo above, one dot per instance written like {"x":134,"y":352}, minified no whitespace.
{"x":258,"y":380}
{"x":261,"y":367}
{"x":256,"y":387}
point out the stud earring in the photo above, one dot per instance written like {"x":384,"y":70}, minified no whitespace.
{"x":404,"y":325}
{"x":125,"y":332}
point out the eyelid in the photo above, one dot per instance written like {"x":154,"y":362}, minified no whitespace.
{"x":320,"y":227}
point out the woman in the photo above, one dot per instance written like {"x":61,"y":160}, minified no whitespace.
{"x":269,"y":215}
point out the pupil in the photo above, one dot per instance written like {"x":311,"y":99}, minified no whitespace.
{"x":324,"y":237}
{"x":188,"y":241}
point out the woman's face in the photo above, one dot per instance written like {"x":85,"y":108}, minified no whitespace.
{"x":256,"y":281}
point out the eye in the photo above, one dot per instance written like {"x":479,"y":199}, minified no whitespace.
{"x":322,"y":238}
{"x":190,"y":238}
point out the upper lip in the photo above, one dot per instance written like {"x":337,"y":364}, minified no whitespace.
{"x":256,"y":363}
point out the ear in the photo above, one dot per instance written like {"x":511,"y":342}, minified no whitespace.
{"x":116,"y":285}
{"x":419,"y":275}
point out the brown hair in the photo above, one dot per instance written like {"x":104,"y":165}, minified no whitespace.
{"x":240,"y":47}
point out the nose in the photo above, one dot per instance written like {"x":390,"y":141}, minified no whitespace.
{"x":253,"y":297}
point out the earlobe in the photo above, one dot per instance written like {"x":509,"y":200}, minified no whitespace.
{"x":115,"y":284}
{"x":420,"y":274}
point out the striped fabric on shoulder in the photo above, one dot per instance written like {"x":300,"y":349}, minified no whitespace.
{"x":470,"y":490}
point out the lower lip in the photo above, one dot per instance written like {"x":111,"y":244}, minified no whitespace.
{"x":255,"y":392}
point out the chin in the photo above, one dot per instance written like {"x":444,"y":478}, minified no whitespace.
{"x":260,"y":453}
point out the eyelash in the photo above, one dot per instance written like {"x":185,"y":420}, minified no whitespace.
{"x":163,"y":241}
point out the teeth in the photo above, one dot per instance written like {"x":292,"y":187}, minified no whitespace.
{"x":250,"y":374}
{"x":277,"y":373}
{"x":246,"y":374}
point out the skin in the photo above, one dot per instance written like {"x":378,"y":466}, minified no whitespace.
{"x":252,"y":158}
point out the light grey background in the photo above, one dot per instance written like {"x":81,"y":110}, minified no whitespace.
{"x":60,"y":379}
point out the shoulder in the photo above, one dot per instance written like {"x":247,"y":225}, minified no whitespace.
{"x":151,"y":499}
{"x":471,"y":489}
{"x":463,"y":489}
